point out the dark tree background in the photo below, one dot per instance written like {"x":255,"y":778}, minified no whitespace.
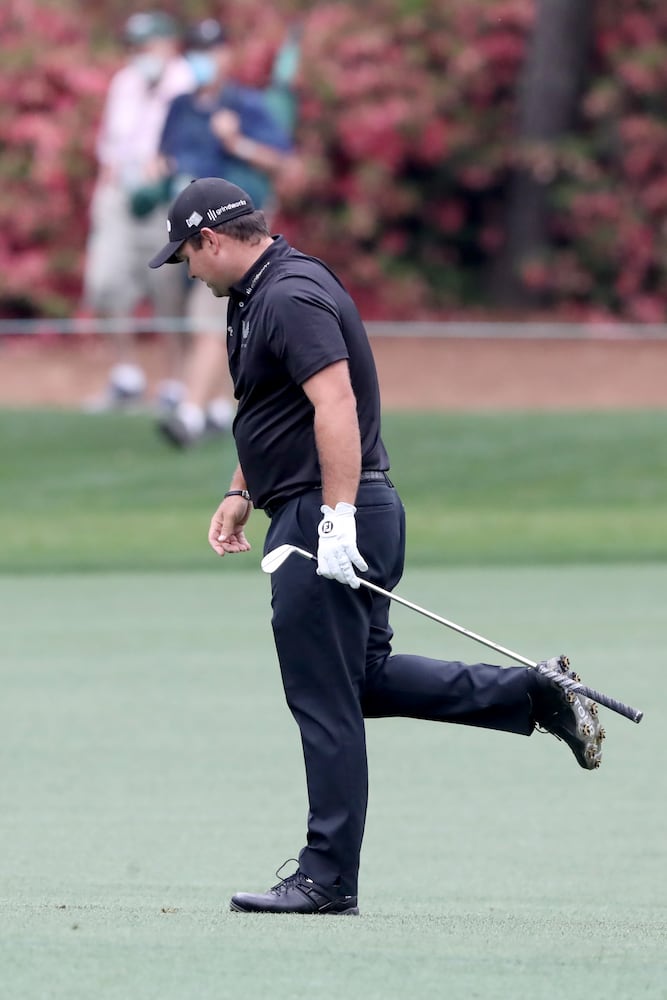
{"x":556,"y":68}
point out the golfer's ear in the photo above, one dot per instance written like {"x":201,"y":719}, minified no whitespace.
{"x":209,"y":237}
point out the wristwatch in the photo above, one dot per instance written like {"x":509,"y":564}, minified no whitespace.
{"x":238,"y":493}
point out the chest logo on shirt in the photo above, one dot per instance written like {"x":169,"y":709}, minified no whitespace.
{"x":249,"y":290}
{"x":245,"y":332}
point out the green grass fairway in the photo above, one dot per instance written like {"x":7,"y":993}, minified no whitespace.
{"x":94,"y":493}
{"x":150,"y":769}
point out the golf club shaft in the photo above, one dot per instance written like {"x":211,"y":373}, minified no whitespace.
{"x":444,"y":621}
{"x":611,"y":703}
{"x":634,"y":714}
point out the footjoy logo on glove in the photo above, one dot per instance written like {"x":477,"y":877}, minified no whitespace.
{"x":326,"y":527}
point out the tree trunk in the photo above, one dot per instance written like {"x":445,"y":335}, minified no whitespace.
{"x":549,"y":91}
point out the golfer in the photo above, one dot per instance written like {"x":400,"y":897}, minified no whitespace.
{"x":311,"y":456}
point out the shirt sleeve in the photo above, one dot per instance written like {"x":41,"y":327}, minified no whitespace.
{"x":116,"y":121}
{"x":257,"y":121}
{"x":304,"y":329}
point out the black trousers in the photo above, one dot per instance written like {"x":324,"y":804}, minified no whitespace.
{"x":334,"y":649}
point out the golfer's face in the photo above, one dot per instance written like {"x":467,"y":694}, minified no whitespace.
{"x":209,"y":264}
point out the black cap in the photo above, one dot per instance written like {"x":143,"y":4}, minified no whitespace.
{"x":206,"y":202}
{"x":205,"y":35}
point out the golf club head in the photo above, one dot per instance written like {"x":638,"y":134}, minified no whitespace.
{"x":273,"y":560}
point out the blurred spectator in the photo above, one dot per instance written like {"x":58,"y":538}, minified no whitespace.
{"x":223,"y":129}
{"x":127,"y":210}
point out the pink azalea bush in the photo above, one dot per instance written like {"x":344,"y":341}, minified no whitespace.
{"x":407,"y":127}
{"x":50,"y":92}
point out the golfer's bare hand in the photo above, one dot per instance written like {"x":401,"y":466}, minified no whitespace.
{"x":226,"y":534}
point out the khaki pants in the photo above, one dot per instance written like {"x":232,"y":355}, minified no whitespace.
{"x":117,"y":277}
{"x":116,"y":274}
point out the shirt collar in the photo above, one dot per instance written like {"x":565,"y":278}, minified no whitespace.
{"x":250,"y":281}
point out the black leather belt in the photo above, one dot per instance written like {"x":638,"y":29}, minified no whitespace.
{"x":373,"y":475}
{"x":368,"y":476}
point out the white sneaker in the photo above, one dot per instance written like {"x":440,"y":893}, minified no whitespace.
{"x":184,"y":426}
{"x":170,"y":394}
{"x":126,"y":387}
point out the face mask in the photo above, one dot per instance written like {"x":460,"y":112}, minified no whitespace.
{"x":150,"y":66}
{"x":203,"y":66}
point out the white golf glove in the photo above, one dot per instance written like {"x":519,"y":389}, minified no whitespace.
{"x":337,"y":550}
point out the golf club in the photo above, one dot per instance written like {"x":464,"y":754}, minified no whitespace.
{"x":274,"y":560}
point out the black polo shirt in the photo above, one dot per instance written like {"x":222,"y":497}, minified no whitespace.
{"x":289,"y":317}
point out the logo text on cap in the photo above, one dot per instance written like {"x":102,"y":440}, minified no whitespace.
{"x":215,"y":213}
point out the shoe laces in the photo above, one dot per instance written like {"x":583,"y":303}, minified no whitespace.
{"x":285,"y":883}
{"x":559,"y":675}
{"x":556,"y":671}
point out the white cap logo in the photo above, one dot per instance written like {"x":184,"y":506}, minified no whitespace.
{"x":194,"y":220}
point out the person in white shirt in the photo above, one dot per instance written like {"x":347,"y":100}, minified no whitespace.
{"x":128,"y":205}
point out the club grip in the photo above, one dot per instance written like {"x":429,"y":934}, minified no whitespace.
{"x":634,"y":714}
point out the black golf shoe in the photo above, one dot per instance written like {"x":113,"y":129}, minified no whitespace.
{"x":565,"y":713}
{"x":295,"y":894}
